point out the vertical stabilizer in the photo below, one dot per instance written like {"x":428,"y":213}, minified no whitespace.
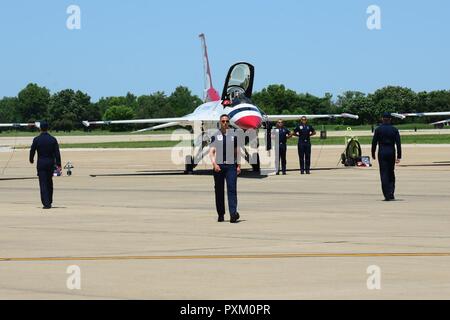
{"x":210,"y":94}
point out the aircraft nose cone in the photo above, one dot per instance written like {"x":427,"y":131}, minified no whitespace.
{"x":246,"y":116}
{"x":249,"y":122}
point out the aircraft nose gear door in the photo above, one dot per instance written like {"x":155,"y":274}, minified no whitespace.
{"x":239,"y":82}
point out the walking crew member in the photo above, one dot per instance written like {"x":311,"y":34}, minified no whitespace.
{"x":387,"y":138}
{"x":48,"y":156}
{"x":224,"y":154}
{"x":304,"y":132}
{"x":283,"y":135}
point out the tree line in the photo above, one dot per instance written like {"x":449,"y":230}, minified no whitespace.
{"x":66,"y":109}
{"x":276,"y":99}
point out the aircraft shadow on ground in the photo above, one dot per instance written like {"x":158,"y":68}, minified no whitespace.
{"x":156,"y":173}
{"x":13,"y":179}
{"x":434,"y":164}
{"x":246,"y":174}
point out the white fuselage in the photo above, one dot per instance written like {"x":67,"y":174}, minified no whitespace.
{"x":244,"y":116}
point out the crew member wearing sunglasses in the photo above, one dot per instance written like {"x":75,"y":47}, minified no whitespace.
{"x":224,"y":155}
{"x":304,"y":132}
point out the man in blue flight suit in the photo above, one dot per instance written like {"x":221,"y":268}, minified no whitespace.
{"x":283,"y":135}
{"x":224,"y":154}
{"x":304,"y":132}
{"x":387,"y":138}
{"x":48,"y":156}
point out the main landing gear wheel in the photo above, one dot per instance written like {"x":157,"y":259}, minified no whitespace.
{"x":189,"y":165}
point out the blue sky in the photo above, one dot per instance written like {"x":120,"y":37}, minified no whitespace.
{"x":145,"y":46}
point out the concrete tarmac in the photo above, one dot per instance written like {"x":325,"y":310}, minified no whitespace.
{"x":140,"y":229}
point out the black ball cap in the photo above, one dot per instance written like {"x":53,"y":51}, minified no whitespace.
{"x":44,"y":125}
{"x":387,"y":115}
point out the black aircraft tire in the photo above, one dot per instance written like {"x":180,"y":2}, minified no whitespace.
{"x":189,"y":166}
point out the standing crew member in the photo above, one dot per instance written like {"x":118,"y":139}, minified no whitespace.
{"x":48,"y":156}
{"x":283,"y":135}
{"x":387,"y":137}
{"x":304,"y":132}
{"x":223,"y":155}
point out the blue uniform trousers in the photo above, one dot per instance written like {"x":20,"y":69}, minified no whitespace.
{"x":282,"y":157}
{"x":46,"y":186}
{"x":228,"y":173}
{"x":304,"y":154}
{"x":386,"y":160}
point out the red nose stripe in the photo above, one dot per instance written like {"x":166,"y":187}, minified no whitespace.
{"x":249,"y":122}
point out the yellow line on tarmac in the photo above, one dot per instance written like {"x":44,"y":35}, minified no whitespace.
{"x":229,"y":257}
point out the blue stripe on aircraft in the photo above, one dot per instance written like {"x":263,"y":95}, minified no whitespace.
{"x":235,"y":112}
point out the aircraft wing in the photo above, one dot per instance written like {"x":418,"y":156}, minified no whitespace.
{"x":288,"y":117}
{"x":207,"y":112}
{"x":18,"y":125}
{"x":161,"y":126}
{"x":421,"y":114}
{"x":172,"y":121}
{"x":440,"y":122}
{"x":163,"y":122}
{"x":210,"y":116}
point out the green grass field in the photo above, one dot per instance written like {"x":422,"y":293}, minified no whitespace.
{"x":99,"y":132}
{"x":401,"y":126}
{"x":32,"y":133}
{"x":413,"y":139}
{"x":122,"y":145}
{"x":410,"y":139}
